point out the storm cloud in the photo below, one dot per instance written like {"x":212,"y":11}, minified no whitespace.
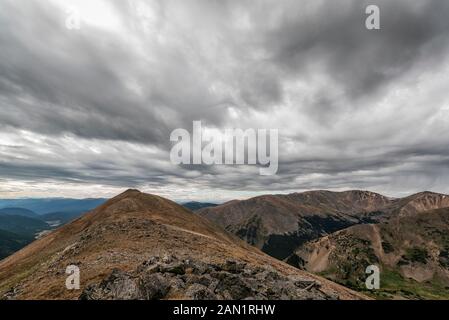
{"x":89,"y":111}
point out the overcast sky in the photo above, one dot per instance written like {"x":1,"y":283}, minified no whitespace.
{"x":88,"y":112}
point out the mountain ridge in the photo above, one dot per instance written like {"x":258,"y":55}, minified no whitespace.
{"x":128,"y":233}
{"x":277,"y":224}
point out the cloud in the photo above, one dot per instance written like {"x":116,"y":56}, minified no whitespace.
{"x":95,"y":106}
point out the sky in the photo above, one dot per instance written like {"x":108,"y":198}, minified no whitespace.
{"x":88,"y":111}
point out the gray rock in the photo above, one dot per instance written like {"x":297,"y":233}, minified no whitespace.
{"x":175,"y":267}
{"x":168,"y":258}
{"x":233,"y":286}
{"x":156,"y":278}
{"x":118,"y":286}
{"x":200,"y":292}
{"x":232,"y":266}
{"x":153,"y":286}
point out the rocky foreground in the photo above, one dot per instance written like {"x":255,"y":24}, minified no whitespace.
{"x":159,"y":278}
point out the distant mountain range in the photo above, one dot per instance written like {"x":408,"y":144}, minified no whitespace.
{"x":194,"y":205}
{"x":278,"y":224}
{"x":47,"y":205}
{"x":141,"y":246}
{"x":338,"y":234}
{"x":23,"y":220}
{"x":18,"y":212}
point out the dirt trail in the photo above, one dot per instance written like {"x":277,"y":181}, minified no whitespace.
{"x":377,"y":241}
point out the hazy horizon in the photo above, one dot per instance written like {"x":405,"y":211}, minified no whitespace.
{"x":216,"y":200}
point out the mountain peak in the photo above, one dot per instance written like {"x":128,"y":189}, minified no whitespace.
{"x":423,"y":201}
{"x":130,"y":192}
{"x":427,"y":193}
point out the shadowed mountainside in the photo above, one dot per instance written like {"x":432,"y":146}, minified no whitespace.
{"x":278,"y":224}
{"x":11,"y":242}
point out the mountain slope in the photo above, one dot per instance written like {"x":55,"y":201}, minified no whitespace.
{"x":277,"y":224}
{"x":22,"y":225}
{"x":420,"y":202}
{"x":127,"y":246}
{"x":60,"y":217}
{"x":11,"y":242}
{"x":412,"y":250}
{"x":18,"y":212}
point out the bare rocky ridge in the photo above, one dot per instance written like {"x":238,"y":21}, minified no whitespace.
{"x":120,"y":248}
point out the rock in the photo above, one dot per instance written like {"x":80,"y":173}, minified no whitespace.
{"x":146,"y":268}
{"x":167,"y":259}
{"x":153,"y":260}
{"x":177,"y":284}
{"x":121,"y":286}
{"x":232,"y":287}
{"x":91,"y":292}
{"x":269,"y":275}
{"x":199,"y":267}
{"x":200,"y":292}
{"x":205,"y":280}
{"x":232,"y":266}
{"x":153,"y":286}
{"x":306,"y":284}
{"x":176,"y":268}
{"x":118,"y":286}
{"x":10,"y":294}
{"x":192,"y":279}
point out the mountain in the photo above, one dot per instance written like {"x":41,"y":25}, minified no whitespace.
{"x":412,"y":250}
{"x":141,"y":246}
{"x":46,"y":205}
{"x":420,"y":202}
{"x":194,"y":205}
{"x":59,"y":218}
{"x":11,"y":242}
{"x":278,"y":224}
{"x":21,"y":225}
{"x":18,"y":212}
